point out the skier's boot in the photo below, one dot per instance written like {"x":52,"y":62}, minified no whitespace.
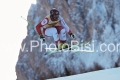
{"x":62,"y":45}
{"x":59,"y":45}
{"x":66,"y":46}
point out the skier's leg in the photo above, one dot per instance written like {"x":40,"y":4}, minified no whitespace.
{"x":61,"y":31}
{"x":52,"y":32}
{"x":62,"y":34}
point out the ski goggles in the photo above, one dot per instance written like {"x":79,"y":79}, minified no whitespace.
{"x":55,"y":16}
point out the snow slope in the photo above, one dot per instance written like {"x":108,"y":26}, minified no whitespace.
{"x":108,"y":74}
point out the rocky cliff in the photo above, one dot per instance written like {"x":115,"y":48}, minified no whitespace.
{"x":96,"y":21}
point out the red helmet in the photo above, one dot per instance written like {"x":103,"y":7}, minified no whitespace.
{"x":54,"y":13}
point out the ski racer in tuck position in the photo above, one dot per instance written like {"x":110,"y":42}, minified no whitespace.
{"x":55,"y":26}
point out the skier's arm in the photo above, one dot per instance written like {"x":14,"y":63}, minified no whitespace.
{"x":65,"y":25}
{"x":42,"y":23}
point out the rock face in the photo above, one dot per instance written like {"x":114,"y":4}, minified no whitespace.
{"x":90,"y":20}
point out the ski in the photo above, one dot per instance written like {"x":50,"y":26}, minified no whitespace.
{"x":70,"y":49}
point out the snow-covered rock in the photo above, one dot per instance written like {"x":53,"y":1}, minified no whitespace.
{"x":96,"y":21}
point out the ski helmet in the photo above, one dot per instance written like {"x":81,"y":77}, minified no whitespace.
{"x":54,"y":13}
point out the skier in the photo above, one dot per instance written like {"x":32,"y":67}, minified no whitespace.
{"x":51,"y":25}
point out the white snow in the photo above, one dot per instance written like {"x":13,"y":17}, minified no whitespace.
{"x":108,"y":74}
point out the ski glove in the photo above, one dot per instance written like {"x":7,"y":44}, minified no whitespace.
{"x":42,"y":38}
{"x":72,"y":35}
